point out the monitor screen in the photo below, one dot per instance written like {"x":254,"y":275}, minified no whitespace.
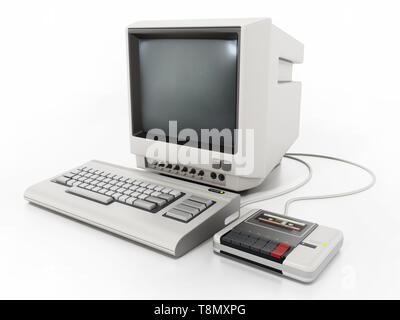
{"x":192,"y":81}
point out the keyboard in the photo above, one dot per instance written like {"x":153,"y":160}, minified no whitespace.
{"x":164,"y":213}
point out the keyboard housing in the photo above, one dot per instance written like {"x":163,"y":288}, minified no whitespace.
{"x":153,"y":228}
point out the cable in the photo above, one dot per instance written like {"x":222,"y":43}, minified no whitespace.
{"x":308,"y":178}
{"x":281,"y":193}
{"x":333,"y":195}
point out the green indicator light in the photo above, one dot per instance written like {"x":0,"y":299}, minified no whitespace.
{"x":324,"y":244}
{"x":302,"y":243}
{"x":221,"y":192}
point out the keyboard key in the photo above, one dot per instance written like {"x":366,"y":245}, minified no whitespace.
{"x":144,"y":204}
{"x":166,"y":190}
{"x":158,"y":201}
{"x":68,"y":175}
{"x":142,"y":196}
{"x":128,"y":192}
{"x":116,"y":195}
{"x":130,"y":200}
{"x":70,"y":182}
{"x":133,"y":188}
{"x":123,"y":198}
{"x":165,"y":196}
{"x":148,"y":192}
{"x":202,"y":200}
{"x":179,"y":215}
{"x":191,"y":210}
{"x":194,"y":204}
{"x":156,"y":193}
{"x":90,"y":195}
{"x":175,"y":193}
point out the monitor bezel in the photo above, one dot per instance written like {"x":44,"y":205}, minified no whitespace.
{"x":134,"y":36}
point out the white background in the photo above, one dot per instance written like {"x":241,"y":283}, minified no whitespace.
{"x":63,"y":98}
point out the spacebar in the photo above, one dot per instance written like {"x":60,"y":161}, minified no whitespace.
{"x":90,"y":195}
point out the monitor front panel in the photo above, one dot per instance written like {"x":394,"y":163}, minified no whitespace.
{"x":188,"y":76}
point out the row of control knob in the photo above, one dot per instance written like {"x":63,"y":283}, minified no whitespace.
{"x":178,"y":168}
{"x":192,"y":171}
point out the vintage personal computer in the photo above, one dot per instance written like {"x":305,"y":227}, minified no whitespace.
{"x":213,"y":109}
{"x":229,"y":76}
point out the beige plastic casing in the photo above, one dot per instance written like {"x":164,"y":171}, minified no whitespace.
{"x":269,"y":101}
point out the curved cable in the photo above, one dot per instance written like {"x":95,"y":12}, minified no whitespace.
{"x":281,"y":193}
{"x":333,"y":195}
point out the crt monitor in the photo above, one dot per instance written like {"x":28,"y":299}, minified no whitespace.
{"x":212,"y":101}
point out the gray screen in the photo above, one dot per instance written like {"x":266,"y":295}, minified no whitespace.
{"x":192,"y":81}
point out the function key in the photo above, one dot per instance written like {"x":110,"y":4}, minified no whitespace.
{"x":194,"y":204}
{"x":179,"y":215}
{"x":202,"y":200}
{"x":191,"y":210}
